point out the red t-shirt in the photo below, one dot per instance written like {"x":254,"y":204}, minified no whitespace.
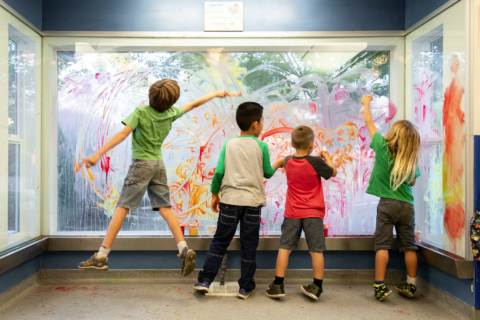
{"x":305,"y":191}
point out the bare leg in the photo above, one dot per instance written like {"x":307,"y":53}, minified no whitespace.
{"x":282,"y":262}
{"x":381,"y":261}
{"x":172,"y":222}
{"x":411,"y":260}
{"x":115,"y":226}
{"x":318,"y":265}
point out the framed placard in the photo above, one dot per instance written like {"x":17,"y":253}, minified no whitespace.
{"x":223,"y":16}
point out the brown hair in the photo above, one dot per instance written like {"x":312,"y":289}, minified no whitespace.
{"x":163,"y":94}
{"x":302,"y":137}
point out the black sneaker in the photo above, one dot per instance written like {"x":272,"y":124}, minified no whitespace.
{"x":381,"y":292}
{"x":95,"y":263}
{"x":406,"y":289}
{"x":275,"y":291}
{"x":312,"y":291}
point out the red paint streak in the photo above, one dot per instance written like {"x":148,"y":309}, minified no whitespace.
{"x":313,"y":107}
{"x":392,"y":111}
{"x":275,"y":131}
{"x":454,"y":128}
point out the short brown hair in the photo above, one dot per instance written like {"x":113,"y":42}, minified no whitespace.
{"x":302,"y":137}
{"x":163,"y":94}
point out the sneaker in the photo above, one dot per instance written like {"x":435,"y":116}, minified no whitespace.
{"x":187,"y":260}
{"x":202,"y":287}
{"x":95,"y":263}
{"x":406,"y":289}
{"x":381,"y":291}
{"x":312,"y":291}
{"x":244,"y":294}
{"x":275,"y":291}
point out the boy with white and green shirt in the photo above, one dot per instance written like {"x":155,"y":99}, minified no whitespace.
{"x":244,"y":162}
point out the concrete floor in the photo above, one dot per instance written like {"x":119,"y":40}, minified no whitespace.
{"x":170,"y":301}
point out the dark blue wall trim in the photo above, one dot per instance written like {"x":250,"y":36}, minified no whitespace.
{"x":187,"y":15}
{"x":29,"y":9}
{"x":21,"y":272}
{"x":459,"y":288}
{"x":416,"y":10}
{"x":265,"y":260}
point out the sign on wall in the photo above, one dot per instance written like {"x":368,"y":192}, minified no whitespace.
{"x":223,"y":16}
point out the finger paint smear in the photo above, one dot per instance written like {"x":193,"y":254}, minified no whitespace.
{"x":442,"y":160}
{"x":99,"y":90}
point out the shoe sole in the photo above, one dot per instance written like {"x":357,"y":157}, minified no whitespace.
{"x":94,"y":268}
{"x":201,"y":289}
{"x":405,"y":293}
{"x":245,"y":297}
{"x":308,"y":294}
{"x":275,"y":296}
{"x":189,"y":262}
{"x":385,"y":296}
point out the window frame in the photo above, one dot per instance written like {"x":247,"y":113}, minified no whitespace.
{"x":91,"y":44}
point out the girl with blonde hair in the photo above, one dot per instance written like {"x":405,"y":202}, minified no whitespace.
{"x":394,"y":173}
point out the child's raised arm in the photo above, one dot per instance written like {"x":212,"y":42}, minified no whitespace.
{"x":197,"y":103}
{"x":368,"y":115}
{"x":117,"y":139}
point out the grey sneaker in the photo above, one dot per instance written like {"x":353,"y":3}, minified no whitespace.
{"x":406,"y":289}
{"x":187,"y":260}
{"x":275,"y":291}
{"x":312,"y":291}
{"x":95,"y":263}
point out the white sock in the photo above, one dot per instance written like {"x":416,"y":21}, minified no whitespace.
{"x":181,"y":245}
{"x":103,"y":252}
{"x":412,"y":281}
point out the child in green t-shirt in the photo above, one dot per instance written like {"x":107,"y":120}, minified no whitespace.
{"x":394,"y":173}
{"x":150,"y":125}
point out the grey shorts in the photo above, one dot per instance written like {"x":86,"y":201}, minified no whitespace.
{"x":145,"y":175}
{"x":314,"y":234}
{"x":390,"y":213}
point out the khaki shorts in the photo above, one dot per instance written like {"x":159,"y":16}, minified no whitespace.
{"x":399,"y":214}
{"x":145,"y":175}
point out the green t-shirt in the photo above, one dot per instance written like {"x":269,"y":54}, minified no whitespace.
{"x":150,"y":128}
{"x":379,"y":184}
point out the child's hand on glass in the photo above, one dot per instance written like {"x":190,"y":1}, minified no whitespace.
{"x":325,"y":155}
{"x":366,"y":99}
{"x":280,"y":163}
{"x":90,"y":161}
{"x":221,"y":93}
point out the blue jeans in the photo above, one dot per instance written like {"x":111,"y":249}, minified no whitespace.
{"x":228,"y":218}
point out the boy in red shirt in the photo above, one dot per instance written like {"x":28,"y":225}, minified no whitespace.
{"x":304,"y":210}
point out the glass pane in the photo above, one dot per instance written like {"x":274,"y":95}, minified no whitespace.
{"x":319,"y":89}
{"x":437,"y":94}
{"x":13,"y":188}
{"x":20,"y":216}
{"x":12,"y":87}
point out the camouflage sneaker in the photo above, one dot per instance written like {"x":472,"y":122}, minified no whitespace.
{"x":275,"y":291}
{"x":406,"y":289}
{"x":312,"y":291}
{"x":95,"y":263}
{"x":381,"y":291}
{"x":187,"y":260}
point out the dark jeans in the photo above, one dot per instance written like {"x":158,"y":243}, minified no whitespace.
{"x":228,"y":218}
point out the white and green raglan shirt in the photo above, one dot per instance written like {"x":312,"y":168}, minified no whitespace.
{"x":244,"y":162}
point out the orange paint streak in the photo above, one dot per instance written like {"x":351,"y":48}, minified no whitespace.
{"x":453,"y":161}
